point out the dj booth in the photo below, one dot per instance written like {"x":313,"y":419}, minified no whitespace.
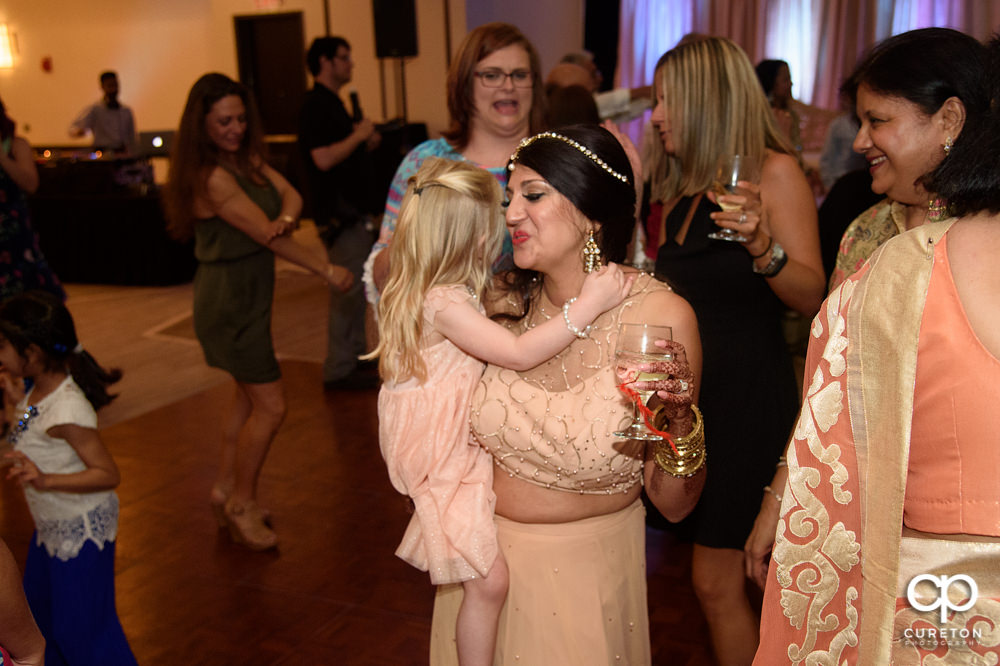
{"x":100,"y":220}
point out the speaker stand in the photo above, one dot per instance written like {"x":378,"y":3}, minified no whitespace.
{"x":399,"y":88}
{"x":402,"y":85}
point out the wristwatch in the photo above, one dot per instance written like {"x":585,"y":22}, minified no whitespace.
{"x":778,"y":261}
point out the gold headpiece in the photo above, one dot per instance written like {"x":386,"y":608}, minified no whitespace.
{"x":583,"y":149}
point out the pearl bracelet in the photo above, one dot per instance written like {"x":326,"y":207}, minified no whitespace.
{"x":769,"y":489}
{"x":573,"y":329}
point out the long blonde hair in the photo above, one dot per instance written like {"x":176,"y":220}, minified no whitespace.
{"x":449,"y":231}
{"x":715,"y":107}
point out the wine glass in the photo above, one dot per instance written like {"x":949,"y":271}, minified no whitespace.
{"x":637,"y":356}
{"x":733,"y":169}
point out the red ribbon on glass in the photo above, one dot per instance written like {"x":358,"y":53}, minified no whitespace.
{"x":647,"y":413}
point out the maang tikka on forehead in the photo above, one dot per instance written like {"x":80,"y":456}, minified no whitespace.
{"x":565,"y":139}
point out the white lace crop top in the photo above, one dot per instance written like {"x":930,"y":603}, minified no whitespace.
{"x":552,"y":425}
{"x":64,"y":521}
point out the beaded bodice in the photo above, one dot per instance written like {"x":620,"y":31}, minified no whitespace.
{"x":552,"y":425}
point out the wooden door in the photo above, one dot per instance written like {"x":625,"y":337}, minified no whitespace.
{"x":270,"y":50}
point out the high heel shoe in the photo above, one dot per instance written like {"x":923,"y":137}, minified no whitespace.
{"x":247,"y":528}
{"x":217,"y":498}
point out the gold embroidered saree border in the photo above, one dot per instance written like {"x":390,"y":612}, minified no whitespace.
{"x":847,"y":467}
{"x":886,"y":327}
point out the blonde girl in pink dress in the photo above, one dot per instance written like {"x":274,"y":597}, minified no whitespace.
{"x":434,"y":342}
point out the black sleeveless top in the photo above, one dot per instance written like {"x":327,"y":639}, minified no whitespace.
{"x":749,"y":396}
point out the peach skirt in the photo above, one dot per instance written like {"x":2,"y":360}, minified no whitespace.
{"x":577,"y":594}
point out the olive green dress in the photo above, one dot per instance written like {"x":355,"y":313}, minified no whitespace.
{"x":233,"y":290}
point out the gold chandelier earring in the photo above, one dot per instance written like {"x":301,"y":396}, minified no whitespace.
{"x":591,"y":254}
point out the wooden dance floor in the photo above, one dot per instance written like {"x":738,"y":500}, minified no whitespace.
{"x":333,"y":593}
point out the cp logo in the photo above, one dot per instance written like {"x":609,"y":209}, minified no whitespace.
{"x":942,"y":583}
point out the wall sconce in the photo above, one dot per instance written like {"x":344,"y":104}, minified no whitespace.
{"x":6,"y":48}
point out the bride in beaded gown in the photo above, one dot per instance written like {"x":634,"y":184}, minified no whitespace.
{"x":434,"y":338}
{"x":569,"y":520}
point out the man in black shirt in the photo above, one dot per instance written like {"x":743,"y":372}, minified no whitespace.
{"x":335,"y":149}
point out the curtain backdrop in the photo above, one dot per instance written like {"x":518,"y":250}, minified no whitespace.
{"x":821,"y":39}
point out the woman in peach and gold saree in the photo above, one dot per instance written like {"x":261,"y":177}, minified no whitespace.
{"x":888,"y":541}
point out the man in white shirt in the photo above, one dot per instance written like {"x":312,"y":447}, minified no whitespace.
{"x":109,"y":121}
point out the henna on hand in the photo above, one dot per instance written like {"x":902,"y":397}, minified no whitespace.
{"x":675,"y":394}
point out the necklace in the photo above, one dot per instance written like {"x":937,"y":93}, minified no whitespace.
{"x":22,"y":424}
{"x":937,"y":210}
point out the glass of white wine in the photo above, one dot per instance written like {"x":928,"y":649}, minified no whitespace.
{"x":733,"y":169}
{"x":639,"y":359}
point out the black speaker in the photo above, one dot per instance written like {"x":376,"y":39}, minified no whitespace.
{"x":395,"y":28}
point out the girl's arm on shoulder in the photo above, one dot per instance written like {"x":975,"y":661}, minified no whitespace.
{"x":101,"y":473}
{"x":790,"y":212}
{"x":476,"y":334}
{"x":479,"y":336}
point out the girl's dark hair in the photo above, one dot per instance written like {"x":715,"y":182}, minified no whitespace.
{"x":968,"y":179}
{"x":597,"y":194}
{"x":767,"y":72}
{"x":39,"y":318}
{"x":925,"y":67}
{"x":194,"y":154}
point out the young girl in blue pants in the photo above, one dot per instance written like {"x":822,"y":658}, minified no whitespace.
{"x":68,"y":478}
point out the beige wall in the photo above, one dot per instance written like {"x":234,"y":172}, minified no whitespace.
{"x":159,"y":47}
{"x":555,"y":27}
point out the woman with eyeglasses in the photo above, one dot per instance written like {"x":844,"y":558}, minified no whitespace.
{"x":495,"y":99}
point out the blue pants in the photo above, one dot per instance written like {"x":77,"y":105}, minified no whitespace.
{"x":74,"y":605}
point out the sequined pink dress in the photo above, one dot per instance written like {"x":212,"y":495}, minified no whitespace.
{"x":426,"y":443}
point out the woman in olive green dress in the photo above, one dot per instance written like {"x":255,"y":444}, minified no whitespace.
{"x":241,"y":213}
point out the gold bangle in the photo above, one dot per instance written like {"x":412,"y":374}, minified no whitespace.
{"x":690,"y":455}
{"x":679,"y":467}
{"x":697,"y":429}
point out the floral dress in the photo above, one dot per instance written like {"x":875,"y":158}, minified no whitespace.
{"x":22,"y":265}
